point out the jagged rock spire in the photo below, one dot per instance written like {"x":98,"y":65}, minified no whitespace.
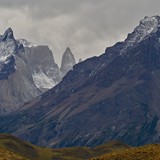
{"x":68,"y":61}
{"x":8,"y":34}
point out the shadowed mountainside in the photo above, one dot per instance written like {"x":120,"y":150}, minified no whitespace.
{"x":111,"y":97}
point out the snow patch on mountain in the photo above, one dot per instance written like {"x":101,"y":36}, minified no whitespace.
{"x":41,"y":80}
{"x":27,"y":43}
{"x":146,"y":27}
{"x":26,"y":70}
{"x":3,"y":58}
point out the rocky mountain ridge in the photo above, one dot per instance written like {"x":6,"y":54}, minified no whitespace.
{"x":26,"y":71}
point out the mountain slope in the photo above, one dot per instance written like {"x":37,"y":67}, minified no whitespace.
{"x":16,"y":84}
{"x":7,"y":155}
{"x":26,"y":71}
{"x":111,"y":97}
{"x":41,"y":64}
{"x":12,"y":146}
{"x":149,"y":152}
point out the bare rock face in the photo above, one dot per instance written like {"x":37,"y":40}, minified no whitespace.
{"x":41,"y":64}
{"x":68,"y":61}
{"x":26,"y":71}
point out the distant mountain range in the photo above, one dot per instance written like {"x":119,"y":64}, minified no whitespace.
{"x":26,"y":71}
{"x":111,"y":97}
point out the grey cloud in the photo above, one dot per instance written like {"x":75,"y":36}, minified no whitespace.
{"x":87,"y":26}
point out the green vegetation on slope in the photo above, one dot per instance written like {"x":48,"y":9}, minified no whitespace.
{"x":7,"y":155}
{"x":14,"y":146}
{"x":148,"y":152}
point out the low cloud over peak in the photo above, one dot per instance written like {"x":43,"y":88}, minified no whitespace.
{"x":87,"y":26}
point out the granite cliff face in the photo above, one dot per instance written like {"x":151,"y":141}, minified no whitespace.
{"x":111,"y":97}
{"x":16,"y":84}
{"x":68,"y":61}
{"x":26,"y":71}
{"x":42,"y":66}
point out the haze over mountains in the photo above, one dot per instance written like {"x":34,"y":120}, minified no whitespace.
{"x":114,"y":96}
{"x":26,"y":71}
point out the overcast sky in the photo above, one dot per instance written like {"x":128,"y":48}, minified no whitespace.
{"x":86,"y":26}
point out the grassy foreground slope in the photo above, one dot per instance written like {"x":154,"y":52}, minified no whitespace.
{"x":147,"y":152}
{"x":7,"y":155}
{"x":12,"y":148}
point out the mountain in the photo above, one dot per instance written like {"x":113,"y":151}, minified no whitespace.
{"x":68,"y":61}
{"x":111,"y":97}
{"x":40,"y":61}
{"x":12,"y":148}
{"x":26,"y":71}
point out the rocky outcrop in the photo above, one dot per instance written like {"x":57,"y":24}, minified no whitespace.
{"x":68,"y":61}
{"x":26,"y":71}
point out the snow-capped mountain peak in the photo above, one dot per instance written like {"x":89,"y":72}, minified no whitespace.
{"x":8,"y":45}
{"x":147,"y":26}
{"x":26,"y":71}
{"x":8,"y":34}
